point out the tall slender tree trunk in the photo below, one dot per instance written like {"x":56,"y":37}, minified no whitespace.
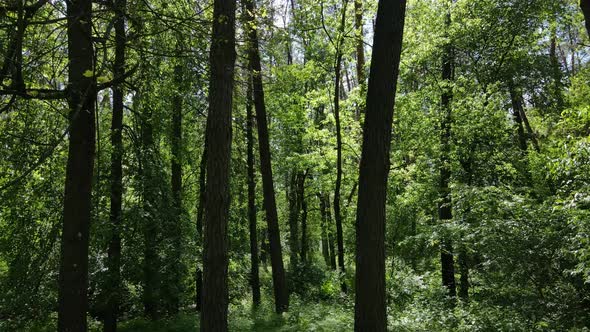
{"x":557,"y":86}
{"x":337,"y":208}
{"x":200,"y":210}
{"x":175,"y":282}
{"x":331,"y":237}
{"x":520,"y":118}
{"x":585,"y":6}
{"x":303,"y":204}
{"x":294,"y":207}
{"x":219,"y":139}
{"x":254,"y":268}
{"x":516,"y":106}
{"x":445,"y":213}
{"x":360,"y":50}
{"x":464,"y":274}
{"x":73,"y":270}
{"x":151,"y":260}
{"x":278,"y":270}
{"x":324,"y":230}
{"x":370,"y":306}
{"x":114,"y":249}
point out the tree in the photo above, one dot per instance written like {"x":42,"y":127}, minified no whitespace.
{"x":114,"y":249}
{"x":200,"y":212}
{"x":175,"y":286}
{"x":254,"y":269}
{"x":270,"y":206}
{"x":360,"y":48}
{"x":338,"y":45}
{"x":73,"y":272}
{"x":445,"y":213}
{"x":219,"y":138}
{"x":585,"y":6}
{"x":370,"y":307}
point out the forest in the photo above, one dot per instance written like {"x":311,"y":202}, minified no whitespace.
{"x":294,"y":165}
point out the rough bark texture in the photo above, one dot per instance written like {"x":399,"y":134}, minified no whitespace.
{"x":370,"y":307}
{"x":303,"y":203}
{"x":445,"y":213}
{"x":360,"y":50}
{"x":73,"y":272}
{"x":331,"y":237}
{"x":254,"y":268}
{"x":276,"y":256}
{"x":464,"y":275}
{"x":219,"y":138}
{"x":200,"y":208}
{"x":324,"y":228}
{"x":174,"y":284}
{"x":114,"y":249}
{"x":292,"y":198}
{"x":585,"y":6}
{"x":516,"y":106}
{"x":151,"y":229}
{"x":520,"y":118}
{"x":556,"y":86}
{"x":337,"y":208}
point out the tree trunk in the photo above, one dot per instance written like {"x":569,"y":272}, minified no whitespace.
{"x":175,"y":283}
{"x":151,"y":229}
{"x":445,"y":212}
{"x":219,"y":138}
{"x":520,"y":118}
{"x":360,"y":50}
{"x":464,"y":275}
{"x":556,"y":73}
{"x":114,"y":249}
{"x":73,"y":271}
{"x":278,"y":270}
{"x":303,"y":204}
{"x":292,"y":198}
{"x":370,"y":307}
{"x":324,"y":230}
{"x":254,"y":270}
{"x":585,"y":6}
{"x":516,"y":106}
{"x":200,"y":208}
{"x":337,"y":209}
{"x":331,"y":236}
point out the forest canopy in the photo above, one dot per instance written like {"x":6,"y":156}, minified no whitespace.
{"x":294,"y":165}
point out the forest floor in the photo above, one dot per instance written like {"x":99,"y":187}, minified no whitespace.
{"x":301,"y":317}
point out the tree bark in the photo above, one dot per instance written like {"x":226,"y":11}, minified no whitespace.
{"x":585,"y":6}
{"x":200,"y":208}
{"x":175,"y":283}
{"x":520,"y":118}
{"x":303,"y":204}
{"x":370,"y":306}
{"x":516,"y":107}
{"x":445,"y":212}
{"x":337,"y":208}
{"x":278,"y":270}
{"x":151,"y":227}
{"x":324,"y":230}
{"x":114,"y":249}
{"x":360,"y":51}
{"x":331,"y":240}
{"x":219,"y":138}
{"x":293,"y":199}
{"x":557,"y":86}
{"x":73,"y":272}
{"x":254,"y":268}
{"x":464,"y":275}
